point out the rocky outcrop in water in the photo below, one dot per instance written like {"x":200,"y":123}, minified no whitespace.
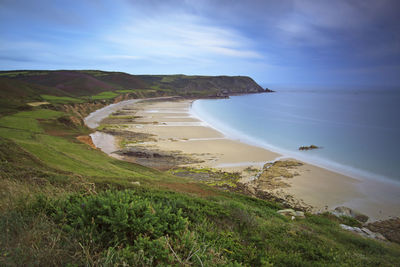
{"x":308,"y":147}
{"x":267,"y":90}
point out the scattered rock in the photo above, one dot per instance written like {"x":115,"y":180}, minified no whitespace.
{"x":345,"y":211}
{"x":130,"y":136}
{"x":292,"y":213}
{"x":363,"y":232}
{"x":342,"y":211}
{"x":155,"y":158}
{"x":390,"y":229}
{"x":215,"y":177}
{"x":275,"y":174}
{"x":287,"y":212}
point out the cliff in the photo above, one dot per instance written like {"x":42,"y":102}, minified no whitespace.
{"x":203,"y":85}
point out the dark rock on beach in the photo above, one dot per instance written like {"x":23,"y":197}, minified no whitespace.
{"x":388,"y":228}
{"x":154,"y":158}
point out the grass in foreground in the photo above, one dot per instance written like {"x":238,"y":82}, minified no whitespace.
{"x":64,"y":203}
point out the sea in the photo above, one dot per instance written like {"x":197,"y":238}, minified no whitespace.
{"x":358,"y":131}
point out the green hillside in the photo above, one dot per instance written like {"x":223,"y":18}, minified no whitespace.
{"x":91,"y":82}
{"x":65,"y":203}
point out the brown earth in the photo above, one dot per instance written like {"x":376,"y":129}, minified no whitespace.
{"x":72,"y":82}
{"x":190,"y":188}
{"x":87,"y":140}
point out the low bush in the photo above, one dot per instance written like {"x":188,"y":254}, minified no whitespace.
{"x":112,"y":218}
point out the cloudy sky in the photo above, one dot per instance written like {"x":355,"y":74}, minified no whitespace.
{"x":305,"y":42}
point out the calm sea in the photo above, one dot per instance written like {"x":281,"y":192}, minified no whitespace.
{"x":359,"y":131}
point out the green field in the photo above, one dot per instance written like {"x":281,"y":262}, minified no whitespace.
{"x":104,"y":95}
{"x":125,"y":91}
{"x":61,"y":99}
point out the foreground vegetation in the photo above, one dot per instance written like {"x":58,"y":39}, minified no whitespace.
{"x":65,"y":203}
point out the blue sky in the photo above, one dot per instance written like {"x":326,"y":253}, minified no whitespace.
{"x":289,"y":42}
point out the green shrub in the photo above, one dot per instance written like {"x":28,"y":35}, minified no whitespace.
{"x":111,"y":218}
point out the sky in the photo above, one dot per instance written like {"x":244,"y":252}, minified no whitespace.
{"x":285,"y":42}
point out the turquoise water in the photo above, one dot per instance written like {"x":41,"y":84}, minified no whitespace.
{"x":359,"y":131}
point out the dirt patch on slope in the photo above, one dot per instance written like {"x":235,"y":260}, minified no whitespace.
{"x":87,"y":140}
{"x":190,"y":188}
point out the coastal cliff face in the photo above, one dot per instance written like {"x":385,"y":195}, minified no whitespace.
{"x":204,"y":85}
{"x":79,"y":111}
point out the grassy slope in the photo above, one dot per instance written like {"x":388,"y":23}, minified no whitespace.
{"x":64,"y":202}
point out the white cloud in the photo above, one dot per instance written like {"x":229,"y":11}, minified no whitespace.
{"x":179,"y":36}
{"x":299,"y":32}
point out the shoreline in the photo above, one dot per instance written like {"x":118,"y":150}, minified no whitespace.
{"x":303,"y":189}
{"x":340,"y":168}
{"x":177,"y":128}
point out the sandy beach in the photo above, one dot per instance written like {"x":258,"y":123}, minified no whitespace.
{"x":175,"y":129}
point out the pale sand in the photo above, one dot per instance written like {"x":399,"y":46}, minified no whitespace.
{"x":177,"y":130}
{"x":36,"y":104}
{"x":191,"y":136}
{"x":106,"y":142}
